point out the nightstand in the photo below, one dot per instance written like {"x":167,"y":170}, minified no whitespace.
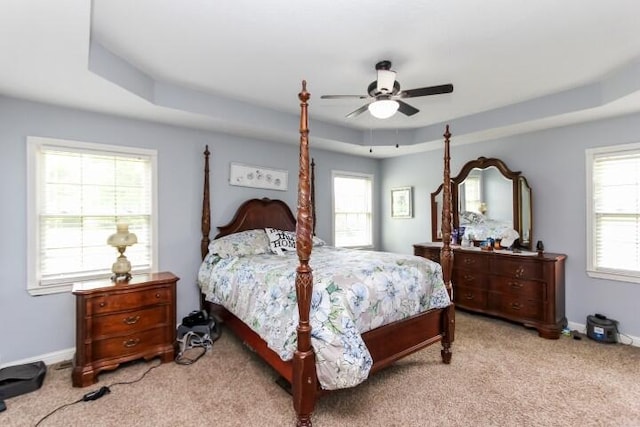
{"x":124,"y":321}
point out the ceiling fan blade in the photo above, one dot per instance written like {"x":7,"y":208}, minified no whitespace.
{"x":406,"y":109}
{"x":424,"y":91}
{"x":358,"y":111}
{"x":344,"y":96}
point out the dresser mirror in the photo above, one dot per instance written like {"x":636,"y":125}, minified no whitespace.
{"x":487,"y":198}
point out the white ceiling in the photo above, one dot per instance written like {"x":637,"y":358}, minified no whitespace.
{"x":236,"y":66}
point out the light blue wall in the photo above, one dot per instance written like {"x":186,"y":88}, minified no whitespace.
{"x":34,"y":326}
{"x":553,"y":161}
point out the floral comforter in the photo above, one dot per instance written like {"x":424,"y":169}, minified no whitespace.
{"x":354,"y":291}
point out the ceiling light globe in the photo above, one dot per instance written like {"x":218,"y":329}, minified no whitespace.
{"x":383,"y":109}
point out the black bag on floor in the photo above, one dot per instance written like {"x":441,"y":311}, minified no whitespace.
{"x":21,"y":379}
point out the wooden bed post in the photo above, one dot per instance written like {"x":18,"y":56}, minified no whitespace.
{"x":446,"y":254}
{"x":205,"y":219}
{"x":206,"y":208}
{"x":304,"y":382}
{"x":313,"y":194}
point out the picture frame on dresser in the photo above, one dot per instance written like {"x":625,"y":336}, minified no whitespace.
{"x":402,"y":202}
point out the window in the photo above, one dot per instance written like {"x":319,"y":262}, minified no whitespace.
{"x":77,"y":192}
{"x":352,"y":209}
{"x":470,"y":195}
{"x":613,"y":212}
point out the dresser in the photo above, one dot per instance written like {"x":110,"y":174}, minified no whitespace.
{"x":526,"y":288}
{"x":124,"y":321}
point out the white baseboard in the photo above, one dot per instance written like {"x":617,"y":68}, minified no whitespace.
{"x":48,"y":358}
{"x":622,"y":338}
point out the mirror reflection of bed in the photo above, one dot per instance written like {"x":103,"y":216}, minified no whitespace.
{"x":322,"y":317}
{"x":489,"y":201}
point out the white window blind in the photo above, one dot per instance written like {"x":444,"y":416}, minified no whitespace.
{"x":79,"y":192}
{"x":472,"y":196}
{"x":614,"y":212}
{"x":352,"y":210}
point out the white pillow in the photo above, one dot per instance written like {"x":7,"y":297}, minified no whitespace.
{"x":250,"y":242}
{"x":281,"y":241}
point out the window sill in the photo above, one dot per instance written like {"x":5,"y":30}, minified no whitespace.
{"x":615,"y":276}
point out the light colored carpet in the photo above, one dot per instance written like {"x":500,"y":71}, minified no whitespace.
{"x":501,"y":375}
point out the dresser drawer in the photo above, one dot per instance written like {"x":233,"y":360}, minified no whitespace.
{"x":519,"y":308}
{"x":429,"y":253}
{"x":127,"y":345}
{"x":519,"y":269}
{"x":470,"y":298}
{"x":128,"y":322}
{"x":470,"y":261}
{"x":469,"y":279}
{"x":110,"y":303}
{"x":517,"y":287}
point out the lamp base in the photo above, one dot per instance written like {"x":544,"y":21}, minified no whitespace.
{"x":121,"y":277}
{"x":121,"y":269}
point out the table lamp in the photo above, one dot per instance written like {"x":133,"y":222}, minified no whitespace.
{"x":120,"y":240}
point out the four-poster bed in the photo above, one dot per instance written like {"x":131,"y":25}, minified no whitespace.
{"x":385,"y":342}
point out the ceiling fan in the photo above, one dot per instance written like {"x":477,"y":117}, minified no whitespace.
{"x":386,"y":96}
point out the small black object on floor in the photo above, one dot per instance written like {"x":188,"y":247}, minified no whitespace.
{"x":21,"y":379}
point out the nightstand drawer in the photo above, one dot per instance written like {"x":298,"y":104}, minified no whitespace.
{"x":128,"y":322}
{"x":126,"y":345}
{"x":109,"y":303}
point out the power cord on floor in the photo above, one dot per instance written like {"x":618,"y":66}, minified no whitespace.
{"x":96,"y":394}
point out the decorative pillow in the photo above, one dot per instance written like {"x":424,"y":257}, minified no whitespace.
{"x":468,"y":217}
{"x":281,"y":241}
{"x":249,"y":242}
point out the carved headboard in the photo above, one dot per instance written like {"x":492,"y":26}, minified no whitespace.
{"x":260,"y":213}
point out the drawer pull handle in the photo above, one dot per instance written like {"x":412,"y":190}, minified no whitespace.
{"x":157,"y":294}
{"x":468,"y":295}
{"x":468,"y":277}
{"x":516,"y":306}
{"x":102,"y":304}
{"x":131,"y":342}
{"x":131,"y":320}
{"x":516,"y":285}
{"x":468,"y":261}
{"x":519,"y":272}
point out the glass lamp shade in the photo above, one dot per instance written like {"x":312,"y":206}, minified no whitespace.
{"x":386,"y":79}
{"x":122,"y":237}
{"x":384,"y":108}
{"x":120,"y":240}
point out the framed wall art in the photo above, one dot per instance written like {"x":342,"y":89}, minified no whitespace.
{"x":401,"y":202}
{"x":258,"y":177}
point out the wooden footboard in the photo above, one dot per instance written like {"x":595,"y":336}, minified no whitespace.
{"x":386,"y":344}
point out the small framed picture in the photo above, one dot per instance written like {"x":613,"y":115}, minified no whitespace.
{"x":401,"y":202}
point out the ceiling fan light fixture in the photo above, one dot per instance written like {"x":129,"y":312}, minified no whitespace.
{"x":384,"y":108}
{"x":386,"y":79}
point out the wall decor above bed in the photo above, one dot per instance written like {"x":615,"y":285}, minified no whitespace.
{"x":258,"y":177}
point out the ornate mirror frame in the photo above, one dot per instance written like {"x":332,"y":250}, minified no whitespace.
{"x":521,"y":200}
